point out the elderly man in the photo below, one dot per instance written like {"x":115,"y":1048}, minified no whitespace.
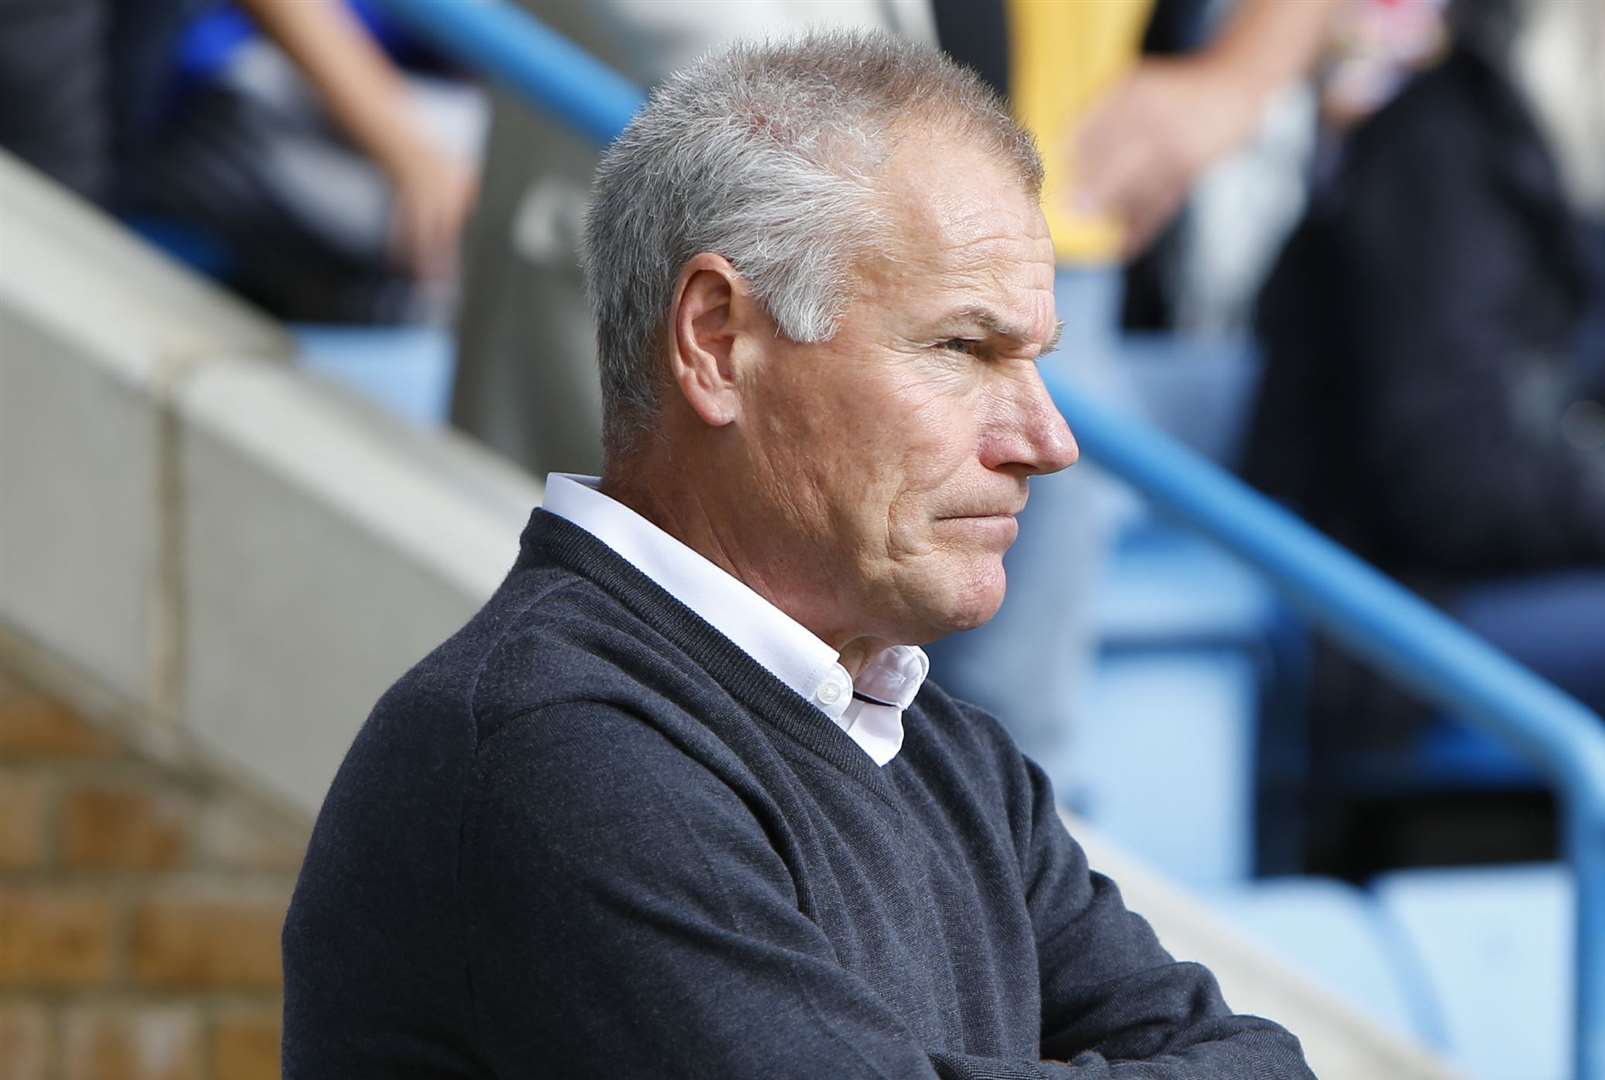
{"x":680,"y":801}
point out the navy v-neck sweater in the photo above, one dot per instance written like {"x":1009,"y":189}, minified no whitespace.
{"x":589,"y":836}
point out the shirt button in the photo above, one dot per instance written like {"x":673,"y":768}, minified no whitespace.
{"x":830,"y":693}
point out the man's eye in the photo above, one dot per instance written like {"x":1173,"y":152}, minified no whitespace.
{"x":968,"y":346}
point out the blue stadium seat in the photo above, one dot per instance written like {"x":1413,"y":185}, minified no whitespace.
{"x":1196,"y":651}
{"x":1170,"y":588}
{"x":1165,"y":761}
{"x":407,"y":369}
{"x":1334,"y":934}
{"x":198,"y":249}
{"x":1495,"y":945}
{"x":1451,"y":755}
{"x":1197,"y":654}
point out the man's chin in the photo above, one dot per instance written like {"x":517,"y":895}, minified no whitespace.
{"x":972,"y":619}
{"x":976,"y":605}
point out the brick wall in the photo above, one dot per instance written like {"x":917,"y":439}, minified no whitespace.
{"x":140,"y":907}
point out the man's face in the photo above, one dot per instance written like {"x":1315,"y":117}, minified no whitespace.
{"x":897,"y":453}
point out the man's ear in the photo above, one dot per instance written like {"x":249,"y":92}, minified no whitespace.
{"x":711,"y":312}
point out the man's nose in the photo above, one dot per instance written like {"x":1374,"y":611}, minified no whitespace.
{"x":1046,"y":442}
{"x":1024,"y":431}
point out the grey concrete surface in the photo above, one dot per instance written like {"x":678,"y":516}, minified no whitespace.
{"x":79,"y":532}
{"x":246,"y":555}
{"x":72,"y":266}
{"x":325,"y":548}
{"x":95,"y":327}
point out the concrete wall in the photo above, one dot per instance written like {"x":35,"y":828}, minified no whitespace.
{"x":245,"y":555}
{"x":231,"y":561}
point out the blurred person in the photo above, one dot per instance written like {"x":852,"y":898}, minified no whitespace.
{"x":368,"y":98}
{"x":1434,"y":393}
{"x":680,"y":800}
{"x":96,"y":94}
{"x":1124,"y":138}
{"x":1376,"y":47}
{"x":319,"y":163}
{"x":522,"y":280}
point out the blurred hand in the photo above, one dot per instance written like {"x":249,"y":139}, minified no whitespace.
{"x":1142,"y":146}
{"x":434,"y":195}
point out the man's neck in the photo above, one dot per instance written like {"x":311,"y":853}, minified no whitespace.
{"x":675,"y":501}
{"x":679,"y":509}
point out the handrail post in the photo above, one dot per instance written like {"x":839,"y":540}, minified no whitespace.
{"x":1585,"y":842}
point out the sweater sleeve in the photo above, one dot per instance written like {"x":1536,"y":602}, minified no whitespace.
{"x":1115,"y":1004}
{"x":628,"y":915}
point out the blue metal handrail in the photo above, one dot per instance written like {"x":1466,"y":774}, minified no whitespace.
{"x":1373,"y":616}
{"x":1403,"y":636}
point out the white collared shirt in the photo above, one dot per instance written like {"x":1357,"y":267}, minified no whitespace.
{"x":870,"y":711}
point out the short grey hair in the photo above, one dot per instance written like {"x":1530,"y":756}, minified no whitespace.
{"x":770,"y":155}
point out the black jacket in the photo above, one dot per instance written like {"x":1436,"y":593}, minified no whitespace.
{"x":1425,"y":350}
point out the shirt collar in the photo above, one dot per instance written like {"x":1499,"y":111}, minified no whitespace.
{"x":811,"y":668}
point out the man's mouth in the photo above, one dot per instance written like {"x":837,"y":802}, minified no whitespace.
{"x":998,"y":529}
{"x":1007,"y":512}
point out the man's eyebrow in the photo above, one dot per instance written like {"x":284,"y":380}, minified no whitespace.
{"x":989,"y":322}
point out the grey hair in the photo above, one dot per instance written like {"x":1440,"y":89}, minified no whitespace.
{"x":770,"y":155}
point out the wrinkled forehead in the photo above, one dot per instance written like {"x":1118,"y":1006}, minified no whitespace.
{"x":965,"y":229}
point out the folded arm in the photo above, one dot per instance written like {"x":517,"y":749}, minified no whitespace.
{"x":1115,"y":1004}
{"x":628,"y":914}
